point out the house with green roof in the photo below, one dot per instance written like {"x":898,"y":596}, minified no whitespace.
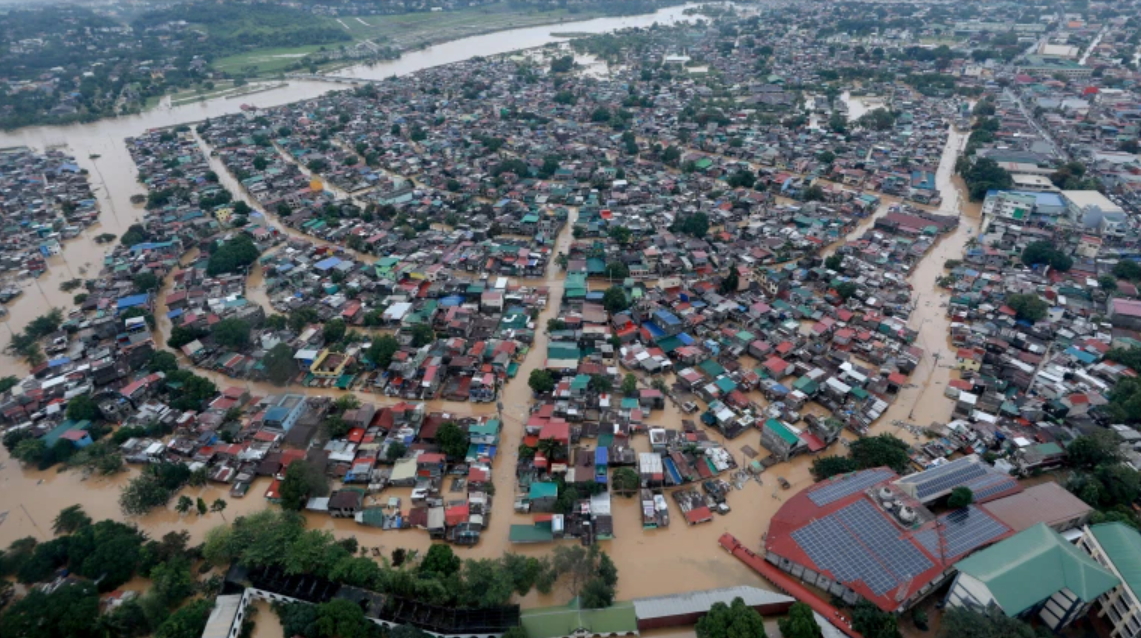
{"x":1117,"y":547}
{"x":1034,"y":574}
{"x":778,"y":438}
{"x":556,"y":622}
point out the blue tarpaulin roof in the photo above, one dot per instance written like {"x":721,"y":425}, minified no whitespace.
{"x":132,"y":301}
{"x":454,"y":300}
{"x":327,"y":263}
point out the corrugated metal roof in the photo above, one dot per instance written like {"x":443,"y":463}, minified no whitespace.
{"x":701,"y":601}
{"x":1122,"y":545}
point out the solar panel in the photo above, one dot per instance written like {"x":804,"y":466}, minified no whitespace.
{"x":954,"y":477}
{"x":857,"y":543}
{"x":838,"y":489}
{"x":963,"y":531}
{"x":991,"y":484}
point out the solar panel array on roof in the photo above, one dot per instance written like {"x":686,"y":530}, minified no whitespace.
{"x":857,"y":543}
{"x":947,"y":477}
{"x":991,"y":484}
{"x":964,"y":530}
{"x":839,"y":488}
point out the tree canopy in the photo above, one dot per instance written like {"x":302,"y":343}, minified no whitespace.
{"x":1044,"y":252}
{"x":1028,"y":306}
{"x":799,"y":623}
{"x":232,"y":256}
{"x":734,"y":620}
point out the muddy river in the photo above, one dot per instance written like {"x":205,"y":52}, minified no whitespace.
{"x":675,"y":559}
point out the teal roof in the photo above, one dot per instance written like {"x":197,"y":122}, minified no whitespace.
{"x":711,"y":368}
{"x":1122,"y":546}
{"x":531,"y":534}
{"x":780,"y":430}
{"x":543,"y":490}
{"x":1033,"y":565}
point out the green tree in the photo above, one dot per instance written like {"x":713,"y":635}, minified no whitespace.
{"x":541,"y":381}
{"x":1043,"y":252}
{"x":422,"y":335}
{"x":629,"y":385}
{"x":188,"y":621}
{"x":615,"y":300}
{"x":303,"y":480}
{"x":341,"y":618}
{"x":616,"y":270}
{"x":734,"y":620}
{"x":960,"y":497}
{"x":882,"y":450}
{"x":963,"y":622}
{"x":30,"y":451}
{"x":201,"y":505}
{"x":730,"y":282}
{"x":162,"y":361}
{"x":313,"y":552}
{"x":279,"y":364}
{"x":233,"y":255}
{"x":67,"y":612}
{"x":846,"y":290}
{"x":146,"y":281}
{"x":1096,"y":448}
{"x":143,"y":493}
{"x":381,"y":350}
{"x":440,"y":561}
{"x":825,"y":467}
{"x":1127,"y":269}
{"x":453,"y":440}
{"x":172,"y":581}
{"x":873,"y":623}
{"x":301,"y":317}
{"x":70,"y":519}
{"x":184,"y":505}
{"x":334,"y":331}
{"x":799,"y":623}
{"x":7,"y":383}
{"x":1027,"y":306}
{"x":233,"y":333}
{"x":182,"y":335}
{"x":625,"y":481}
{"x":834,"y":262}
{"x":83,"y":408}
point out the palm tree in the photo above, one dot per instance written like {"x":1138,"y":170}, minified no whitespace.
{"x":184,"y":504}
{"x":218,"y":506}
{"x":552,"y":449}
{"x":70,"y":519}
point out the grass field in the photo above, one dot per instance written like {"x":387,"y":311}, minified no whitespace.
{"x":266,"y":60}
{"x":406,"y":31}
{"x":449,"y":24}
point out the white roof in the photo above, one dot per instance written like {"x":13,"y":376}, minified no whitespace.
{"x":1082,"y":199}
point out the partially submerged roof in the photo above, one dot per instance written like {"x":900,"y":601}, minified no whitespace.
{"x":1033,"y":565}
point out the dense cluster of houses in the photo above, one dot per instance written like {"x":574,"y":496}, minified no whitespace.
{"x":46,"y":200}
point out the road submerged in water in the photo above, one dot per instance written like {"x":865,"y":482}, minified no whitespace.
{"x":651,"y":562}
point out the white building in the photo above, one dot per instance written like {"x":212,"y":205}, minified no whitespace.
{"x":1090,"y":210}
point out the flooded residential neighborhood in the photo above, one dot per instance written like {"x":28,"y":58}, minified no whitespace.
{"x":740,"y":312}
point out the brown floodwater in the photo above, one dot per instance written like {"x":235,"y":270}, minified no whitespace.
{"x":655,"y":562}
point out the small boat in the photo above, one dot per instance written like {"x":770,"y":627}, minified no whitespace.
{"x":784,"y":484}
{"x":94,"y":156}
